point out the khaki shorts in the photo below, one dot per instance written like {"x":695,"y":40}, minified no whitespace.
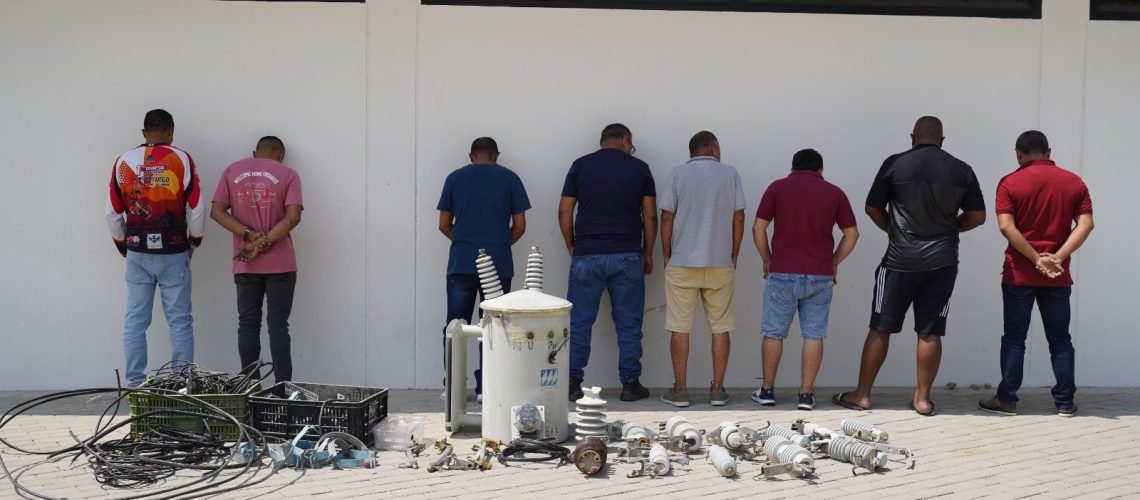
{"x":715,"y":286}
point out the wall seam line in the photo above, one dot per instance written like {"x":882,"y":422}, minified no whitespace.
{"x":1081,"y":159}
{"x":416,"y":191}
{"x":367,"y":199}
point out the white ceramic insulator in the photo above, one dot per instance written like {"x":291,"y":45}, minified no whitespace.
{"x":722,"y":461}
{"x":730,"y":435}
{"x":659,"y":459}
{"x":488,"y":276}
{"x":852,"y":427}
{"x":857,"y":453}
{"x":819,"y":430}
{"x":591,"y":414}
{"x":534,"y":270}
{"x":784,"y":432}
{"x":781,"y":450}
{"x":678,"y":427}
{"x":633,"y":431}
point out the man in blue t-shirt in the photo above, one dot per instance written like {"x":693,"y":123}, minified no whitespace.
{"x":611,"y":249}
{"x":483,"y":206}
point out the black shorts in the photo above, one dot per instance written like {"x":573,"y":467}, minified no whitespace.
{"x":929,"y":291}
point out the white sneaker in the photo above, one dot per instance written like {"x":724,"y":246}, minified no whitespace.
{"x":443,"y":395}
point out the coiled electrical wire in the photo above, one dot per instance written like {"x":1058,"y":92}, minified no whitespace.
{"x":190,"y":378}
{"x":524,"y":446}
{"x":158,"y":455}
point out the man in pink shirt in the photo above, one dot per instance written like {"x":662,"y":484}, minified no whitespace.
{"x":259,"y":200}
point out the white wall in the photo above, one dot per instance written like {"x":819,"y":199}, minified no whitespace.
{"x":78,"y":77}
{"x":378,"y":102}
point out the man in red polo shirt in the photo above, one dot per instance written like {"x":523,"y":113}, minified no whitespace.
{"x":800,"y":266}
{"x":1037,"y":206}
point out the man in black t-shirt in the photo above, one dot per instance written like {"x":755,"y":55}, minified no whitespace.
{"x":923,"y":198}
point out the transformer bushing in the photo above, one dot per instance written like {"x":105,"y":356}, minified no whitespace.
{"x":787,"y":457}
{"x":488,"y":277}
{"x":534,"y":270}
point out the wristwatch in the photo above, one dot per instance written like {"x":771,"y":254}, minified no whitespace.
{"x":245,"y":235}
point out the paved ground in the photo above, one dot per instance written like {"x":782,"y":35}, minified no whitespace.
{"x":962,"y":453}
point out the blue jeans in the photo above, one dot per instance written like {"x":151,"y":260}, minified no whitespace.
{"x":784,"y":294}
{"x":461,"y":292}
{"x":1053,"y":304}
{"x":171,"y":273}
{"x":622,"y":275}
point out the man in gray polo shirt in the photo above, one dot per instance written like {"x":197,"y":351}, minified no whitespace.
{"x":702,"y":222}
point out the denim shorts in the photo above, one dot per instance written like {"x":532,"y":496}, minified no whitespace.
{"x":784,"y":294}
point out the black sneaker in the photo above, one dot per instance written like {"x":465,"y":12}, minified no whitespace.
{"x":807,"y":401}
{"x":994,"y":405}
{"x":1067,"y":411}
{"x":633,"y":391}
{"x":575,"y":389}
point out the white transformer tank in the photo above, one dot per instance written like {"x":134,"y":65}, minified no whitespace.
{"x":525,"y":338}
{"x":526,"y":362}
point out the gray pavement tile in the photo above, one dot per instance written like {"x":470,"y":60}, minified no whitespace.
{"x":962,"y":453}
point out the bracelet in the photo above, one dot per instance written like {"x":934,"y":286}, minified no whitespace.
{"x":245,"y":235}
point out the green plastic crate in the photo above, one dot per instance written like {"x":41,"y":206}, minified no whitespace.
{"x":236,"y":405}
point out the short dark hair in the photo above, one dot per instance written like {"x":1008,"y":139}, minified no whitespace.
{"x":158,"y":120}
{"x":807,"y":159}
{"x":928,"y":129}
{"x":700,"y":141}
{"x":484,"y":145}
{"x":615,"y":131}
{"x":270,"y":142}
{"x":1032,"y":142}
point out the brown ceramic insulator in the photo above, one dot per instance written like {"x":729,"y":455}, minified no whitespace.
{"x":590,"y":455}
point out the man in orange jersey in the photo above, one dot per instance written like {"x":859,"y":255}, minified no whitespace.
{"x":156,"y":216}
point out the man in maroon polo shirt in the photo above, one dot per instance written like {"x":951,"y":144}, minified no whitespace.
{"x":1037,"y":206}
{"x":800,"y":266}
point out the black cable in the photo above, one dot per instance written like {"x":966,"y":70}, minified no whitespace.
{"x":190,"y":378}
{"x":525,"y":446}
{"x":157,"y":455}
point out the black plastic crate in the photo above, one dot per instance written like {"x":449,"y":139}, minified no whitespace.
{"x":342,"y":408}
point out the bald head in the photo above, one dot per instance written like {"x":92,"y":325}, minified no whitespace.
{"x":927,"y":130}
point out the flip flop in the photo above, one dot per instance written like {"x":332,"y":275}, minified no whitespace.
{"x":929,"y":413}
{"x":838,"y":400}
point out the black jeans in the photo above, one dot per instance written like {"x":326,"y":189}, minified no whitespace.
{"x":277,"y":291}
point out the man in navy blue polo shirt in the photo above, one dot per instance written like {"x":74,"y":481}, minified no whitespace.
{"x":611,"y":248}
{"x":483,"y":206}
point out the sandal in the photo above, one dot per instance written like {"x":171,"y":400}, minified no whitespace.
{"x":838,"y":400}
{"x":929,"y":413}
